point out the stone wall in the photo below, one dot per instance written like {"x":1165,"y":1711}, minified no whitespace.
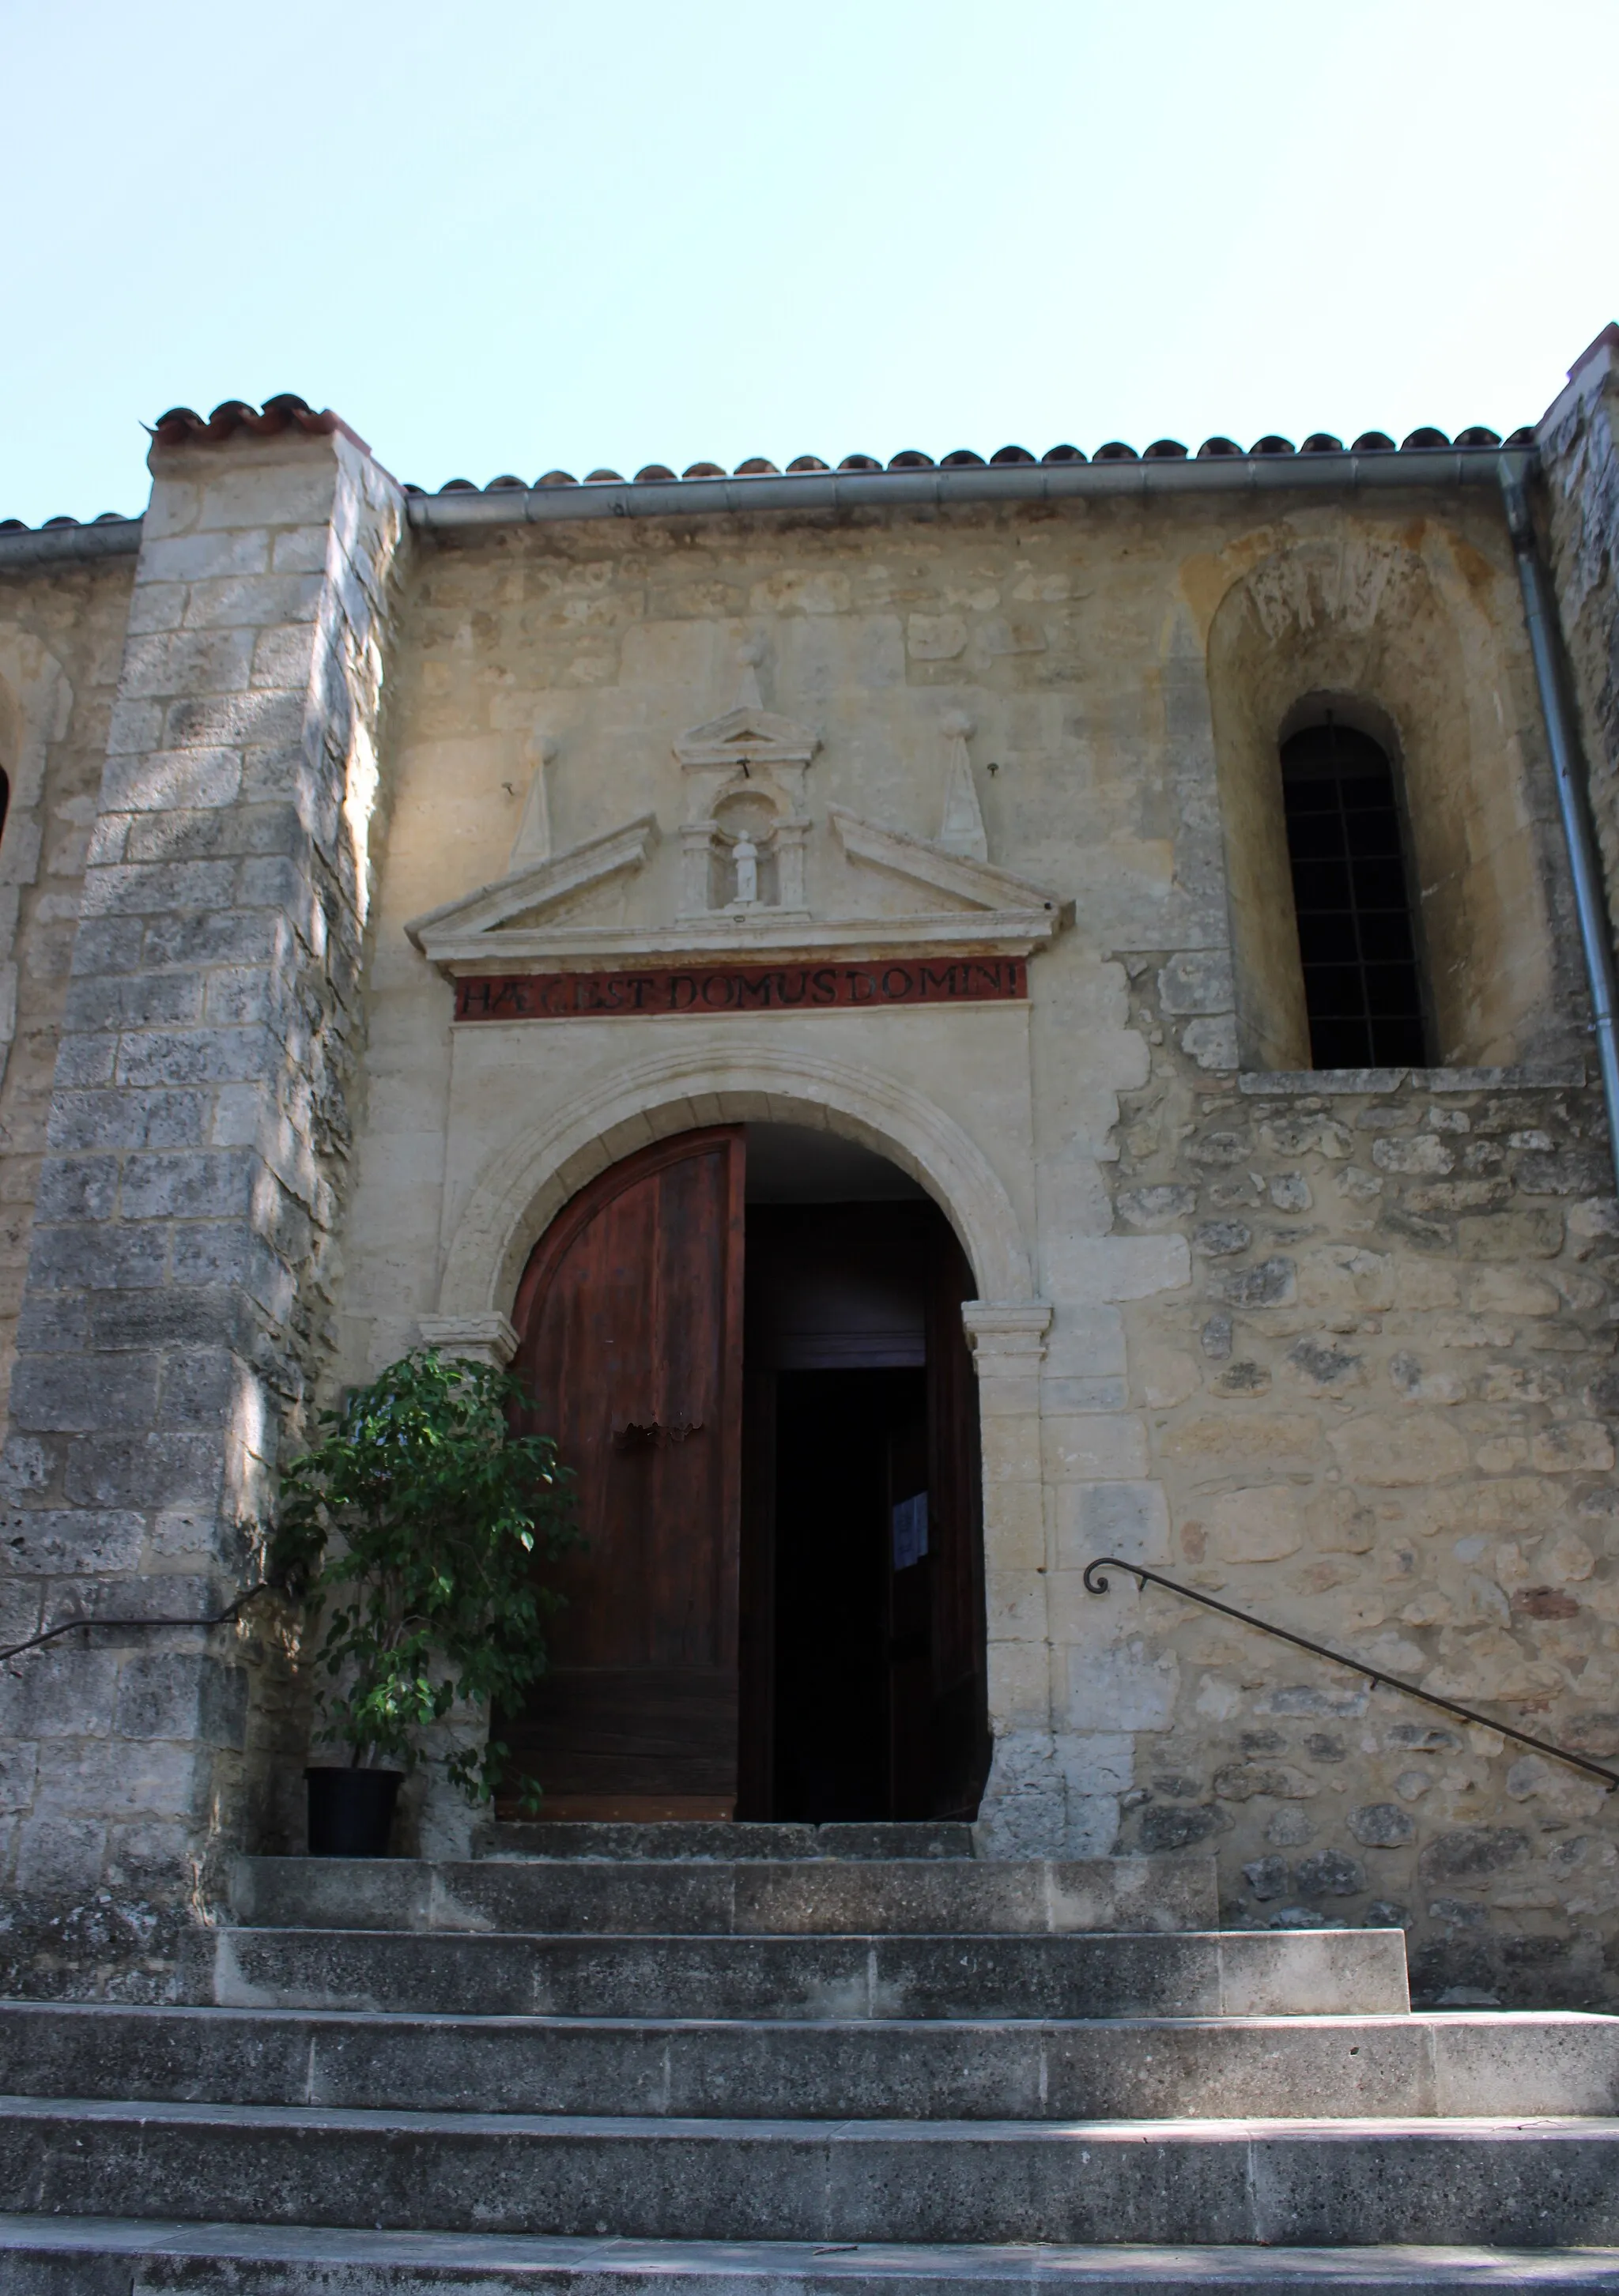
{"x":1340,"y":1351}
{"x":179,"y":1284}
{"x":1382,"y":1416}
{"x":62,"y":638}
{"x":1580,"y":461}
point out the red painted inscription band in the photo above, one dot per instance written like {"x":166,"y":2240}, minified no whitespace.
{"x":741,"y":988}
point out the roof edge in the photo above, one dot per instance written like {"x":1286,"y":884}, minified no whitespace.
{"x":67,"y":545}
{"x":1040,"y":482}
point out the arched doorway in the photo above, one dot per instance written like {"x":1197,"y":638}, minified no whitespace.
{"x":748,"y":1341}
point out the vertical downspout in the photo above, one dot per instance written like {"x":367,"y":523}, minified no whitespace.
{"x":1595,"y":938}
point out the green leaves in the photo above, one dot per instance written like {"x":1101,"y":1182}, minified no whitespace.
{"x":414,"y":1524}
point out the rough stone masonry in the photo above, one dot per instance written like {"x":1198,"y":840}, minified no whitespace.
{"x":1337,"y":1346}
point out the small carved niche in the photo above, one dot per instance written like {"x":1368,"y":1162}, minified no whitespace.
{"x":745,"y":868}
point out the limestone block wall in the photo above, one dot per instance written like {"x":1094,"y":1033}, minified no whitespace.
{"x":1382,"y":1415}
{"x":179,"y":1281}
{"x":61,"y":638}
{"x":1580,"y":461}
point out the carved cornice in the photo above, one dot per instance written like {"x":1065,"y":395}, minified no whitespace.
{"x":479,"y":915}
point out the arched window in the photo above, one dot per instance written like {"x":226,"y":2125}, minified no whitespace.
{"x":1352,"y":896}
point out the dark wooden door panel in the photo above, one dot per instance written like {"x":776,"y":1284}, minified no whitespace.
{"x":630,"y":1317}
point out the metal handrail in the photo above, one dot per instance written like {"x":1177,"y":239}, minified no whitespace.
{"x":1096,"y":1584}
{"x":74,"y":1626}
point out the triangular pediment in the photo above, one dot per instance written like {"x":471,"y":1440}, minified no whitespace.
{"x":546,"y":914}
{"x":977,"y":883}
{"x":528,"y":894}
{"x":758,"y":734}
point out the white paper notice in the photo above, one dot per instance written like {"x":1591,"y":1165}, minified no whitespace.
{"x":911,"y":1531}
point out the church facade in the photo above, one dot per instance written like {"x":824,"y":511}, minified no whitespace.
{"x":956,"y":1024}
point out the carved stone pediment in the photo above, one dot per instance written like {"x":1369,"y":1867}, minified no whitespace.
{"x":748,"y":734}
{"x":938,"y":870}
{"x":503,"y":908}
{"x":961,"y":905}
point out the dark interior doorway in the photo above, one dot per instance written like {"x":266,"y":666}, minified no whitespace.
{"x":848,"y":1444}
{"x":863,"y":1664}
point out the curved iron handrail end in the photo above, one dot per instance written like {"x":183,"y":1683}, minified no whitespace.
{"x":1096,"y":1584}
{"x":75,"y":1626}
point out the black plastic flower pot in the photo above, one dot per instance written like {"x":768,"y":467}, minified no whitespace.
{"x":351,"y":1811}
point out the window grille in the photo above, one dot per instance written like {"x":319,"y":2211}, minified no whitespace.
{"x":1351,"y":896}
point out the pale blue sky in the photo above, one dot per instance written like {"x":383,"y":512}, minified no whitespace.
{"x":505,"y":237}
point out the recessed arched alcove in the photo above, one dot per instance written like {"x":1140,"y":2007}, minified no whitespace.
{"x":1386,"y":639}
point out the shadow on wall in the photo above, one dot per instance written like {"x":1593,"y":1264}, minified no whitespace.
{"x":1396,"y":648}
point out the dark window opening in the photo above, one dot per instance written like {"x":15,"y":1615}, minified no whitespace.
{"x":1351,"y":895}
{"x":5,"y":799}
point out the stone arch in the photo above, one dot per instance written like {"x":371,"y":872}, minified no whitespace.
{"x":1388,"y":627}
{"x":36,"y":701}
{"x":526,"y":1180}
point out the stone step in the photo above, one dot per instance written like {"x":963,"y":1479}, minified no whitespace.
{"x":1461,"y":2064}
{"x":719,"y":1897}
{"x":1511,"y":2184}
{"x":100,"y":2256}
{"x":1216,"y":1973}
{"x":702,"y":1838}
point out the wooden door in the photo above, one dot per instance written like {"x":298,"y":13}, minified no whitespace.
{"x":630,"y":1315}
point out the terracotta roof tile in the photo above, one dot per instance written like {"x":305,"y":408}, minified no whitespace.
{"x":182,"y":426}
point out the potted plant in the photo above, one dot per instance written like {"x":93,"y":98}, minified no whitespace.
{"x":412,"y":1529}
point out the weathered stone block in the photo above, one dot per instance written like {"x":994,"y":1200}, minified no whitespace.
{"x":1510,"y":1235}
{"x":102,"y":1256}
{"x":72,"y":1392}
{"x":1329,"y":1873}
{"x":158,"y":780}
{"x":1129,"y":1688}
{"x":1271,"y":1284}
{"x":198,"y":557}
{"x":186,"y":661}
{"x":1382,"y":1825}
{"x":142,"y":1470}
{"x":57,"y":1691}
{"x":133,"y":1000}
{"x":148,"y":889}
{"x":60,"y":1858}
{"x":207,"y":1388}
{"x":174,"y":1316}
{"x":179,"y":1057}
{"x":1420,"y":1449}
{"x":108,"y":1779}
{"x":1130,"y":1520}
{"x":1262,"y":1524}
{"x":1198,"y":980}
{"x":18,"y":1765}
{"x":181,"y":1695}
{"x":212,"y":1184}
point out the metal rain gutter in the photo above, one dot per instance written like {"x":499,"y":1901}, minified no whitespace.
{"x":1595,"y":938}
{"x":67,"y":546}
{"x":1258,"y":475}
{"x":1010,"y":483}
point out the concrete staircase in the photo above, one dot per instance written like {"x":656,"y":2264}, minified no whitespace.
{"x":767,"y":2060}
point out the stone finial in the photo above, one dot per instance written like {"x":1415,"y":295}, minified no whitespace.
{"x":751,"y":652}
{"x":961,"y":830}
{"x":532,"y":842}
